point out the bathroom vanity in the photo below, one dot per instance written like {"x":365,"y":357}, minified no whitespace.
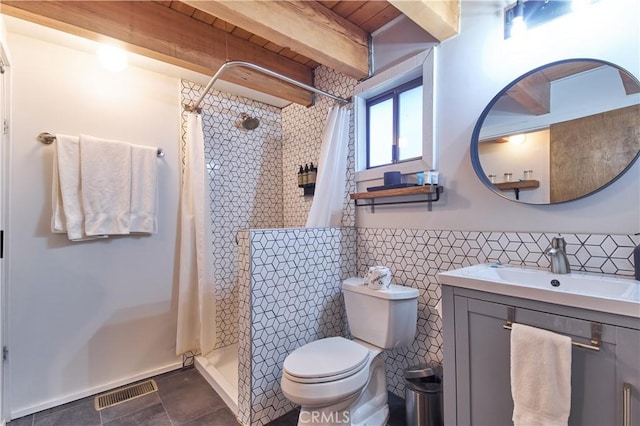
{"x":601,"y":315}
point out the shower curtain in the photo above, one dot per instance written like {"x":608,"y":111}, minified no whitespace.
{"x":328,"y":199}
{"x":196,"y":298}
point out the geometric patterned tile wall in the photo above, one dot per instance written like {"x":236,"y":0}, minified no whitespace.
{"x":416,"y":256}
{"x":302,"y":138}
{"x":244,"y":329}
{"x":245,"y":175}
{"x":295,"y":282}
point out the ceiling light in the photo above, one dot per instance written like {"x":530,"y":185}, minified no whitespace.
{"x":112,"y":58}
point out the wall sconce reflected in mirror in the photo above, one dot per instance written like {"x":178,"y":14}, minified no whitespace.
{"x":523,"y":15}
{"x":517,"y":139}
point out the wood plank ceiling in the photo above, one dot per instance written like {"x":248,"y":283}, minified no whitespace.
{"x":291,"y":37}
{"x":368,"y":15}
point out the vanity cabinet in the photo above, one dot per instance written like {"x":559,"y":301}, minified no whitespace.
{"x":476,"y":363}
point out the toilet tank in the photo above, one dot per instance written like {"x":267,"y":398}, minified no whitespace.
{"x":384,"y":318}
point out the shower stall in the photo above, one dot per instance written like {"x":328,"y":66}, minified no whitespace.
{"x":243,"y":157}
{"x":252,"y":155}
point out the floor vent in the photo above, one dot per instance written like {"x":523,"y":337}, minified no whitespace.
{"x":127,"y":393}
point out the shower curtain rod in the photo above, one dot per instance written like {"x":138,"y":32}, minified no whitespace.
{"x":196,"y":106}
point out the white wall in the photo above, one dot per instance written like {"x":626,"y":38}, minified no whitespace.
{"x":532,"y":154}
{"x":396,"y":41}
{"x":474,"y":66}
{"x":84,"y":316}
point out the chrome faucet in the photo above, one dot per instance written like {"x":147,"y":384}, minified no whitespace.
{"x":558,"y":256}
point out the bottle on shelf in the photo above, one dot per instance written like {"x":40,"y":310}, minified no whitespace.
{"x":305,"y":175}
{"x":313,"y":173}
{"x":300,"y":177}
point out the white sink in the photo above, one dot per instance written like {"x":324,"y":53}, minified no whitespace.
{"x":590,"y":291}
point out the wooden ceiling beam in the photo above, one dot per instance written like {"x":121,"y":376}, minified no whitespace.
{"x":533,"y":93}
{"x":306,"y":27}
{"x":440,"y":18}
{"x":629,"y":83}
{"x":161,"y":33}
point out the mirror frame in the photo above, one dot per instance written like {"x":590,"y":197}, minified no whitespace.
{"x":474,"y":149}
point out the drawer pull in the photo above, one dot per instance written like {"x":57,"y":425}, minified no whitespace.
{"x":626,"y":404}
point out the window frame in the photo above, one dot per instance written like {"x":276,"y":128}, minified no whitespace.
{"x":394,"y":95}
{"x":422,"y":64}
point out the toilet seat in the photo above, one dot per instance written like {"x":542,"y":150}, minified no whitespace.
{"x":325,"y":360}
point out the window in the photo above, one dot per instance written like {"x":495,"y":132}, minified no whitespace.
{"x":394,"y":125}
{"x":408,"y":145}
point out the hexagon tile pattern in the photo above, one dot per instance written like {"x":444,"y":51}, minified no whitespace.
{"x":295,"y":298}
{"x":416,"y":256}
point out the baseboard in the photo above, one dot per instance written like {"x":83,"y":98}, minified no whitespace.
{"x":93,"y":391}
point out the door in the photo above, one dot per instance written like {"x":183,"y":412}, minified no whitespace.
{"x":483,"y":365}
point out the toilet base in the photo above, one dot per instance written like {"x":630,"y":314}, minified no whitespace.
{"x":367,"y":408}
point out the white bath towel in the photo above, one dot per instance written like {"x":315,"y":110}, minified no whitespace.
{"x":540,"y":377}
{"x":58,"y":221}
{"x":144,"y":164}
{"x":105,"y":174}
{"x":68,"y":215}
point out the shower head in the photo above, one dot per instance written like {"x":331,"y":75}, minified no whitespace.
{"x":249,"y":123}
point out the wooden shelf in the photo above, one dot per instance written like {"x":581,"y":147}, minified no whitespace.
{"x":517,"y":185}
{"x":431,"y":194}
{"x":396,"y":192}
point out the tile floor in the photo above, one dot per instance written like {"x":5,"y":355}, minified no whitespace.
{"x":183,"y":398}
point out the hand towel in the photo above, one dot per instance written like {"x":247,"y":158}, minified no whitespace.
{"x":105,"y":175}
{"x":144,"y":164}
{"x":540,"y":376}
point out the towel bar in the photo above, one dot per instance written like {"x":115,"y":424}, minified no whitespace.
{"x":596,"y":331}
{"x":48,"y":138}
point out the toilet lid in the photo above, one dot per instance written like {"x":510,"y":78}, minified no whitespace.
{"x":324,"y":358}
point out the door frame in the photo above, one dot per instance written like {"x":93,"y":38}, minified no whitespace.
{"x":5,"y":137}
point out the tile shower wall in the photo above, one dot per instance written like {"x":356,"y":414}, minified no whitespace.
{"x":302,"y":129}
{"x":291,"y":295}
{"x":416,"y":256}
{"x":244,"y":331}
{"x":245,"y":171}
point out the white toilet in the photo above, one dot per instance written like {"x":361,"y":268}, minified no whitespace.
{"x":339,"y":381}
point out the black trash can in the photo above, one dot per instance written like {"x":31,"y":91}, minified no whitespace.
{"x":423,"y":395}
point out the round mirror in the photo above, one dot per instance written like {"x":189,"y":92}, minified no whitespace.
{"x":559,"y":132}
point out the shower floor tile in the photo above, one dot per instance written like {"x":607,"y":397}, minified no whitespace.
{"x":183,"y":398}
